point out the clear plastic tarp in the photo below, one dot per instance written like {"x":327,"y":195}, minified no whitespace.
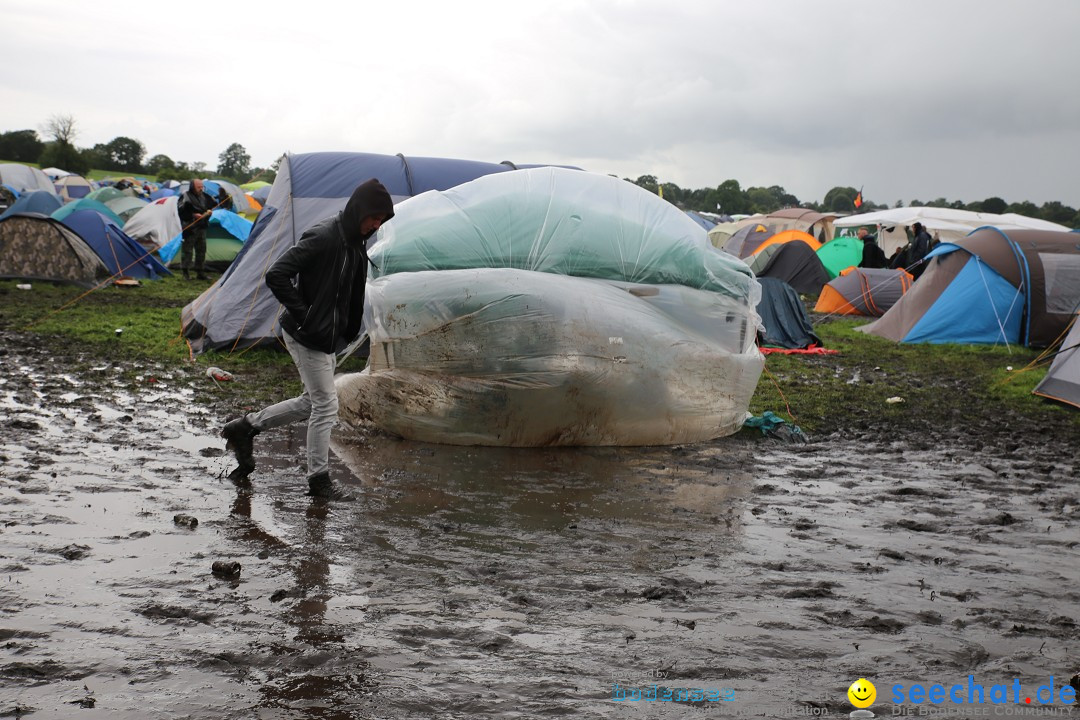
{"x":553,"y":307}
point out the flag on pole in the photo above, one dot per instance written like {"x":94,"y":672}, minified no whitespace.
{"x":858,"y":199}
{"x":660,"y":190}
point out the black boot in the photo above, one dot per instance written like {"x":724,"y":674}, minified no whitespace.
{"x":321,"y":486}
{"x":187,"y":275}
{"x":200,"y":274}
{"x":239,"y":434}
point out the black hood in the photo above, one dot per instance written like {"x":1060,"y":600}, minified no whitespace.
{"x":369,"y":198}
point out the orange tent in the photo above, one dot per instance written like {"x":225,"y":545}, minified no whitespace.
{"x":863,"y":291}
{"x":788,"y":236}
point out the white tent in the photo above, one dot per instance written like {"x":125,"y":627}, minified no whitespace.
{"x":1062,"y":381}
{"x":24,"y":177}
{"x":156,"y":224}
{"x":946,"y":224}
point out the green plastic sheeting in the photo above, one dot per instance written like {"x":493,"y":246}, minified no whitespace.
{"x":558,"y":221}
{"x":840,"y":254}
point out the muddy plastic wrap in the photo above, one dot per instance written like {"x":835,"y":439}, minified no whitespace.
{"x":560,"y":221}
{"x":523,"y":358}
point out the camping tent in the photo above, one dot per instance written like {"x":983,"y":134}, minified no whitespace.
{"x":213,"y":187}
{"x":1062,"y":381}
{"x":705,"y":223}
{"x":745,"y":241}
{"x":946,"y":224}
{"x":33,"y":247}
{"x":125,"y":207}
{"x":840,"y":253}
{"x":786,"y":236}
{"x":73,"y":187}
{"x":225,"y":237}
{"x":720,"y":233}
{"x":793,"y":262}
{"x":121,"y":254}
{"x":87,"y":204}
{"x":23,"y":177}
{"x":812,"y":222}
{"x":863,"y":291}
{"x":156,"y":224}
{"x":783,"y":317}
{"x":1021,"y":286}
{"x":238,"y":310}
{"x":34,"y":201}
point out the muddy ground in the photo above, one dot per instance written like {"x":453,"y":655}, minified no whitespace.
{"x":477,"y":582}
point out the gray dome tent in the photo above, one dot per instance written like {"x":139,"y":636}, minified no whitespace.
{"x":239,"y":311}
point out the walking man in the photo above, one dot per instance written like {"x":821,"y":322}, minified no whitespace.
{"x":320,"y":284}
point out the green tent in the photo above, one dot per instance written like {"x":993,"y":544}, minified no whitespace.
{"x":840,"y":254}
{"x":87,"y":203}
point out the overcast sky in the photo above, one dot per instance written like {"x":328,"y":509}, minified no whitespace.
{"x":911,"y":99}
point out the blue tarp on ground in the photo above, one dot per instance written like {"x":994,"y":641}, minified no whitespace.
{"x":121,"y":254}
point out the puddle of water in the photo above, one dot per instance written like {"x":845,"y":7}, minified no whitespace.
{"x":506,"y":583}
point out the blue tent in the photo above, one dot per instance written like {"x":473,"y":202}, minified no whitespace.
{"x":34,"y":201}
{"x":121,"y":254}
{"x":701,"y":220}
{"x":162,"y":192}
{"x":237,"y":310}
{"x":991,"y":287}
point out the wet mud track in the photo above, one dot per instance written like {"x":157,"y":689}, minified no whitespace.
{"x":480,"y":582}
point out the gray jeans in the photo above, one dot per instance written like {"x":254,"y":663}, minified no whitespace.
{"x":318,"y":404}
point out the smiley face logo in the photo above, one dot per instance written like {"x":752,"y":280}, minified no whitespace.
{"x":862,"y":693}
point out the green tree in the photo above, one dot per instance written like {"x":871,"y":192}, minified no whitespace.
{"x":234,"y":162}
{"x":65,"y":157}
{"x":160,"y":165}
{"x":840,"y":199}
{"x":1054,"y":211}
{"x":648,"y":182}
{"x":731,"y":198}
{"x":21,"y":146}
{"x":762,"y":200}
{"x":994,"y":205}
{"x":1025,"y":208}
{"x":61,"y":152}
{"x":122,"y":153}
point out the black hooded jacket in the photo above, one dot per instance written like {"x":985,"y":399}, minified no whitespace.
{"x":191,"y":204}
{"x":320,"y":280}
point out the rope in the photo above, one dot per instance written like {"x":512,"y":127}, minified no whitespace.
{"x":107,"y":281}
{"x":904,"y":280}
{"x":997,"y":318}
{"x":782,"y":396}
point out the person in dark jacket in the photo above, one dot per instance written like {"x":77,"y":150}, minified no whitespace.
{"x":194,"y":208}
{"x":920,"y":246}
{"x":320,"y":285}
{"x":872,"y":254}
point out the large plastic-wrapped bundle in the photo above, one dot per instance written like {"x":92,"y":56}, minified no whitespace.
{"x":553,"y":307}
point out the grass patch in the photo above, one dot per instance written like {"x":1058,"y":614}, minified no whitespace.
{"x":940,"y":385}
{"x":937,"y":384}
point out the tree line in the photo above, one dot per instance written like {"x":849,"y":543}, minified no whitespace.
{"x":729,"y":198}
{"x":127,"y":155}
{"x":121,"y":154}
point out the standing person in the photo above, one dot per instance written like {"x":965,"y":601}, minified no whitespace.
{"x":194,"y":207}
{"x":872,"y":254}
{"x":320,"y":284}
{"x":920,"y":246}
